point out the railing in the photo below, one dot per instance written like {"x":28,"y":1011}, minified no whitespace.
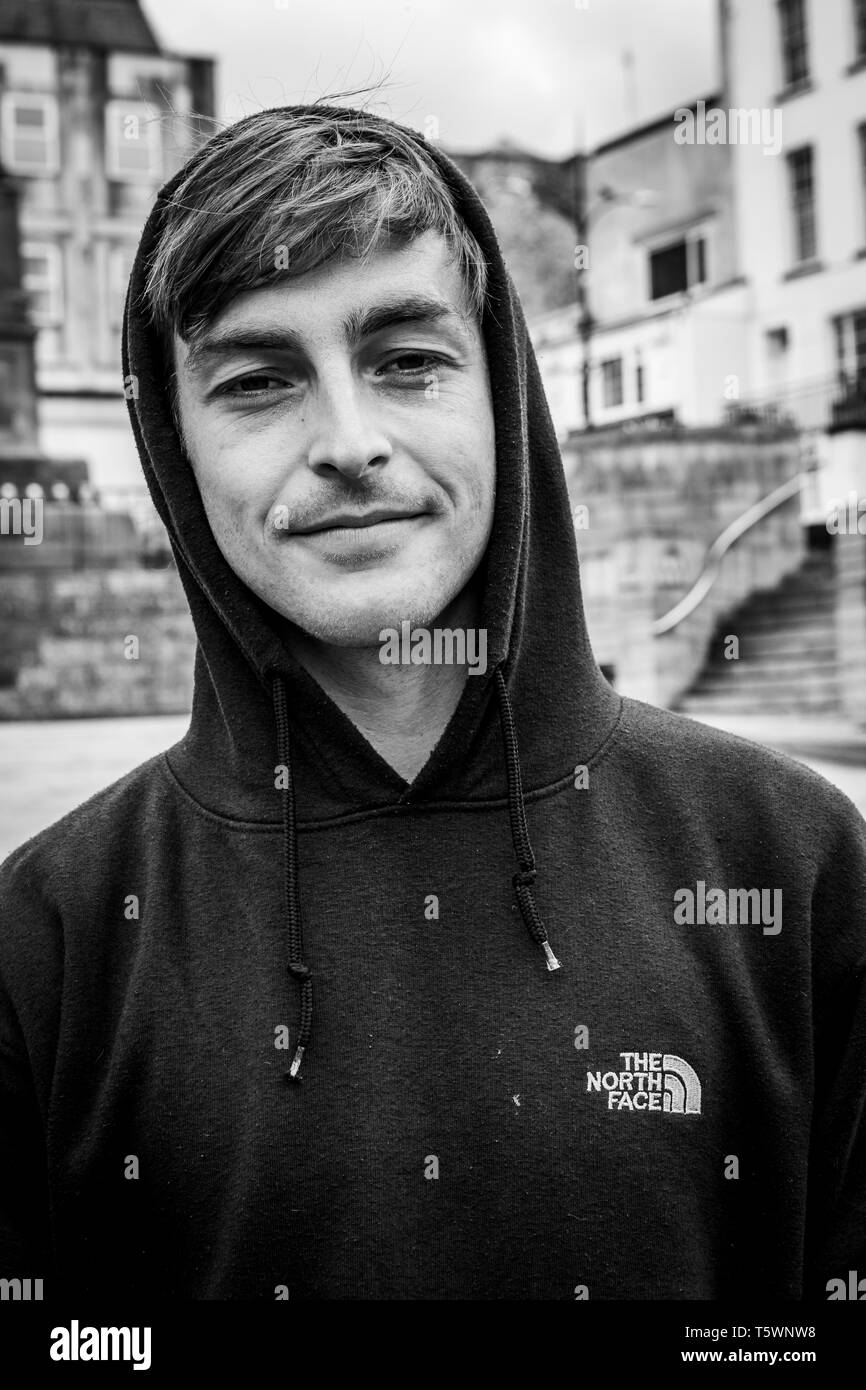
{"x":720,"y":547}
{"x":817,"y":403}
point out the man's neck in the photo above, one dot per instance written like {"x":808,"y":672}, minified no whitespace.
{"x":402,"y":710}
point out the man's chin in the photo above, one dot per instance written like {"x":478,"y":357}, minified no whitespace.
{"x":352,"y":610}
{"x":357,"y":625}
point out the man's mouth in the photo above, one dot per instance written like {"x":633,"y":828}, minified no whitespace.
{"x":359,"y":540}
{"x":353,"y":521}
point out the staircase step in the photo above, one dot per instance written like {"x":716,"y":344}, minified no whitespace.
{"x":787,"y":653}
{"x":811,"y":582}
{"x":804,"y":609}
{"x":784,"y":662}
{"x":767,"y":669}
{"x":783,"y":645}
{"x":789,"y":617}
{"x":791,"y":603}
{"x":796,"y":618}
{"x":759,"y":690}
{"x":763,"y":704}
{"x":778,"y":634}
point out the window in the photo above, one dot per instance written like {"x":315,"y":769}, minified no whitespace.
{"x":638,"y":379}
{"x":611,"y":379}
{"x":700,"y":272}
{"x":42,"y":281}
{"x":677,"y":267}
{"x":777,"y":342}
{"x":860,"y":28}
{"x":795,"y":49}
{"x":133,"y":144}
{"x":7,"y":391}
{"x":858,"y":333}
{"x":29,"y":129}
{"x":120,"y":259}
{"x":802,"y":185}
{"x":668,"y":271}
{"x":850,"y":331}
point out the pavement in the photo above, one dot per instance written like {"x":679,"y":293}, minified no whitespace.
{"x":48,"y":767}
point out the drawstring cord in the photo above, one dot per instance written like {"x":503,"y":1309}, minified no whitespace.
{"x":522,"y":880}
{"x":296,"y":965}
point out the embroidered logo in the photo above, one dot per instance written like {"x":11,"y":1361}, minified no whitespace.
{"x":649,"y":1081}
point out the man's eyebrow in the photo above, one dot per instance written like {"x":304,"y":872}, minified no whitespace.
{"x":412,"y":309}
{"x":421,"y":309}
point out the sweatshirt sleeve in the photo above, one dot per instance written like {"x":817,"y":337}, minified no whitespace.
{"x":836,"y":1212}
{"x":27,"y":1040}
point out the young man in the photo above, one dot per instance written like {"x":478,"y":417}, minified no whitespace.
{"x":280,"y":1012}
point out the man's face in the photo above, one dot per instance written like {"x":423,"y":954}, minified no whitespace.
{"x":340,"y":429}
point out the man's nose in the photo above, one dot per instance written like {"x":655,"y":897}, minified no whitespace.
{"x":344,"y":435}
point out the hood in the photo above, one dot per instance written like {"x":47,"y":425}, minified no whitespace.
{"x":542,"y":707}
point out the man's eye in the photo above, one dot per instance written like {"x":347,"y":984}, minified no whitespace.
{"x":412,"y":364}
{"x":253,"y":384}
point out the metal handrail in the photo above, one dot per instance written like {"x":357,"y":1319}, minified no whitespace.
{"x":719,"y":548}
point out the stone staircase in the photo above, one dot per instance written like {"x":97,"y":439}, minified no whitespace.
{"x":787,"y":661}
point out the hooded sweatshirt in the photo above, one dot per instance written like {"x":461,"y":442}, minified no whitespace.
{"x":497,"y":1033}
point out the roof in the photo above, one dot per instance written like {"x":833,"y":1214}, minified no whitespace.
{"x":651,"y":128}
{"x":102,"y":24}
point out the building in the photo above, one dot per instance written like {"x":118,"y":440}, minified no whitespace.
{"x":722,"y":291}
{"x":725,"y":268}
{"x":661,"y":329}
{"x":19,"y":447}
{"x":535,"y":206}
{"x":801,"y":218}
{"x":94,"y":117}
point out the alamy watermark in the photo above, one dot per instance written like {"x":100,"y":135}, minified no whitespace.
{"x":22,"y":516}
{"x":21,"y":1290}
{"x":76,"y":1343}
{"x":847,"y":518}
{"x":736,"y":126}
{"x":734,"y":907}
{"x":854,"y":1289}
{"x":439,"y":646}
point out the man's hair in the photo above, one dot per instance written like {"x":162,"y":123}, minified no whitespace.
{"x":281,"y":193}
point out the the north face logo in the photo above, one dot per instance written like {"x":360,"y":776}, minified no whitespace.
{"x":650,"y":1081}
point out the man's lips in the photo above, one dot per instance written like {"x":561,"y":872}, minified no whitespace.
{"x":361,"y":539}
{"x":353,"y":521}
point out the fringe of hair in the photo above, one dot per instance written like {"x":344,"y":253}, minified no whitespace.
{"x":281,"y":192}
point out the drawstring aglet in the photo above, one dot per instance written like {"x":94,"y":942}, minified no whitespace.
{"x":292,"y":1073}
{"x":552,"y":962}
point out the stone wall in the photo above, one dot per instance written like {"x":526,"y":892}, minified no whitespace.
{"x":117,"y":641}
{"x":656,"y":501}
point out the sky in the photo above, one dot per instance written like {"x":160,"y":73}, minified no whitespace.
{"x":551,"y":76}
